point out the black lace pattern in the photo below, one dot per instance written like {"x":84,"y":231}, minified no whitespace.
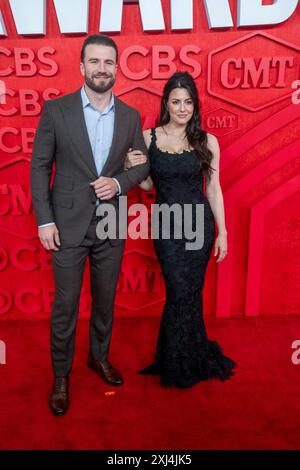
{"x":184,"y":355}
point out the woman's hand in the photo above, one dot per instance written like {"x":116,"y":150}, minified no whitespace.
{"x":133,"y":158}
{"x":221,"y":246}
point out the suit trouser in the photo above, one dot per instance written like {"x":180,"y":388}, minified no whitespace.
{"x":68,"y":269}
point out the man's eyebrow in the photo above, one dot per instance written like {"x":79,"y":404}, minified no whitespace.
{"x":105,"y":60}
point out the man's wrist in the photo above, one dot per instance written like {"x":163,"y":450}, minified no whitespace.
{"x":119,"y":191}
{"x":46,"y":225}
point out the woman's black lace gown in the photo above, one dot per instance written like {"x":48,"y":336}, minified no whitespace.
{"x":184,"y":354}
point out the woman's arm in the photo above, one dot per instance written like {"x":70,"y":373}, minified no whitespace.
{"x":215,"y":197}
{"x":147,"y":184}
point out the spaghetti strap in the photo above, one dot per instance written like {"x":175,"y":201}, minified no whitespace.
{"x":153,"y":135}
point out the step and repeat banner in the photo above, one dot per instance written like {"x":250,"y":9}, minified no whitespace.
{"x":245,"y":57}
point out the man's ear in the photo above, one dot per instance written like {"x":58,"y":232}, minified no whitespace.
{"x":82,"y":69}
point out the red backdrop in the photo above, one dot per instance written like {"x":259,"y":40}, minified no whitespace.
{"x":253,"y":117}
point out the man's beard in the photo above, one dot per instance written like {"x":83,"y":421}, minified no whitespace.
{"x":102,"y":87}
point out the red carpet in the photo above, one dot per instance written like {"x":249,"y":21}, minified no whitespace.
{"x":259,"y":408}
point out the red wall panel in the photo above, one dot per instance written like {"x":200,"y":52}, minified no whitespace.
{"x":256,"y":124}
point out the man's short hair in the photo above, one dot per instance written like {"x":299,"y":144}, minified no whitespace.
{"x":100,"y":40}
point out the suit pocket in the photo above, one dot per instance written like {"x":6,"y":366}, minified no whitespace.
{"x":63,"y":182}
{"x":61,"y":200}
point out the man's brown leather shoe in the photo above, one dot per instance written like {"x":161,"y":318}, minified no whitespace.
{"x":106,"y":371}
{"x":59,"y":399}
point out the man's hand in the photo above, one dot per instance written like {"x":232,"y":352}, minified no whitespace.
{"x":49,"y":237}
{"x":105,"y":188}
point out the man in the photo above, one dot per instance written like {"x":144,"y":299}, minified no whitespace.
{"x":87,"y":134}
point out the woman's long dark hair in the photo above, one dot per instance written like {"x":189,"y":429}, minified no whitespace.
{"x":196,"y":136}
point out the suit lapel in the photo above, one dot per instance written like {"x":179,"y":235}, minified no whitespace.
{"x":75,"y":122}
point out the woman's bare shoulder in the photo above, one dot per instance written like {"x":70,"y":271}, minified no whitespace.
{"x":159,"y":130}
{"x":147,"y":134}
{"x":147,"y":137}
{"x":212,"y":141}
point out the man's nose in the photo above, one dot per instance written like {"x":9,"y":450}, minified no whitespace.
{"x":101,"y":67}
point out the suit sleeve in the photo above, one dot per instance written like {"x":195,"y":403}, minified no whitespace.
{"x":41,"y":168}
{"x":135,"y":175}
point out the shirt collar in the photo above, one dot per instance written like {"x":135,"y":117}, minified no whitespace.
{"x":86,"y":102}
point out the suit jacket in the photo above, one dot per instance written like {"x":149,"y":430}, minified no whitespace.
{"x":62,"y":138}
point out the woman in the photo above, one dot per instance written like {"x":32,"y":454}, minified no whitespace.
{"x":181,"y":154}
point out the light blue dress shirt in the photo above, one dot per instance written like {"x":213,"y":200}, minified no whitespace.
{"x":100,"y":128}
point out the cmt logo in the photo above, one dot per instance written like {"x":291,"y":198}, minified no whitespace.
{"x":2,"y":352}
{"x":221,"y":122}
{"x":30,"y":15}
{"x":15,"y":200}
{"x":258,"y":81}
